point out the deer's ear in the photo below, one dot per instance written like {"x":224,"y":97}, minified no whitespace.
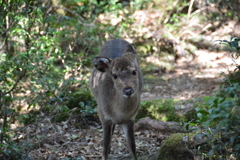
{"x":130,"y":49}
{"x":101,"y":63}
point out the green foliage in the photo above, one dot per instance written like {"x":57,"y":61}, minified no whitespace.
{"x":161,"y":109}
{"x":84,"y":102}
{"x":26,"y":118}
{"x":219,"y":118}
{"x":45,"y":56}
{"x":10,"y":150}
{"x":221,"y":122}
{"x":225,"y":10}
{"x":233,"y":43}
{"x":191,"y":116}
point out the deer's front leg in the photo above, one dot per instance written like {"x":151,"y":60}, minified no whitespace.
{"x":108,"y":128}
{"x":129,"y":134}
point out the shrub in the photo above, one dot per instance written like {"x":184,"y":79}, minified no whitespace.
{"x":219,"y":119}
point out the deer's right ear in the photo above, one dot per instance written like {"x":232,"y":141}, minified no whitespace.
{"x":130,"y":48}
{"x":101,"y":63}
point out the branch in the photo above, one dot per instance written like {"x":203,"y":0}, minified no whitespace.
{"x":147,"y":123}
{"x":15,"y":84}
{"x":80,"y":18}
{"x":4,"y":109}
{"x":190,"y":9}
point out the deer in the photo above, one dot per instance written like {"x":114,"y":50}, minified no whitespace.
{"x":116,"y":83}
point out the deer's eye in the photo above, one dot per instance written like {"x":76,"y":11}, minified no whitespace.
{"x":114,"y":76}
{"x":134,"y":72}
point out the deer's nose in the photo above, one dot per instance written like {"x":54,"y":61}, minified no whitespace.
{"x":127,"y":92}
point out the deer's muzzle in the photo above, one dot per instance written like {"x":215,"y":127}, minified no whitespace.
{"x":128,"y":92}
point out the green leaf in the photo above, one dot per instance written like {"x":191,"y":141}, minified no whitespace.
{"x":199,"y":115}
{"x":215,"y":101}
{"x":9,"y":111}
{"x":222,"y":100}
{"x":203,"y":112}
{"x":210,"y":153}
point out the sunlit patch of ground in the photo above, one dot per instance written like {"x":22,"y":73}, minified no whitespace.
{"x":192,"y":77}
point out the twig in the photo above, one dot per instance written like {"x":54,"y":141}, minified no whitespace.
{"x":15,"y":84}
{"x":4,"y":108}
{"x":190,"y":9}
{"x":81,"y":19}
{"x":3,"y":125}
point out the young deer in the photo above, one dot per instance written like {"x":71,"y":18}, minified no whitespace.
{"x":116,"y":82}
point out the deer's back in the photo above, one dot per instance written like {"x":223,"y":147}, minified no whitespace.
{"x":114,"y":48}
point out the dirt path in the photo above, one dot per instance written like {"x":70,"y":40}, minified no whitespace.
{"x":192,"y":78}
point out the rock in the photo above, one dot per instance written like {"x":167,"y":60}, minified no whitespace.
{"x":180,"y":146}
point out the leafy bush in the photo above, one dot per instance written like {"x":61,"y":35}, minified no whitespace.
{"x":46,"y":52}
{"x":225,"y":10}
{"x":234,"y":44}
{"x":219,"y":119}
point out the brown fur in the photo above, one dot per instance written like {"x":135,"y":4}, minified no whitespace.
{"x":116,"y":82}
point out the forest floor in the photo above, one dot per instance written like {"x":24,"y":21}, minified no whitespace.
{"x":191,"y":79}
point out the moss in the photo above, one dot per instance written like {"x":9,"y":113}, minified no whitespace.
{"x":173,"y":143}
{"x":161,"y":109}
{"x":174,"y":148}
{"x":164,"y":110}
